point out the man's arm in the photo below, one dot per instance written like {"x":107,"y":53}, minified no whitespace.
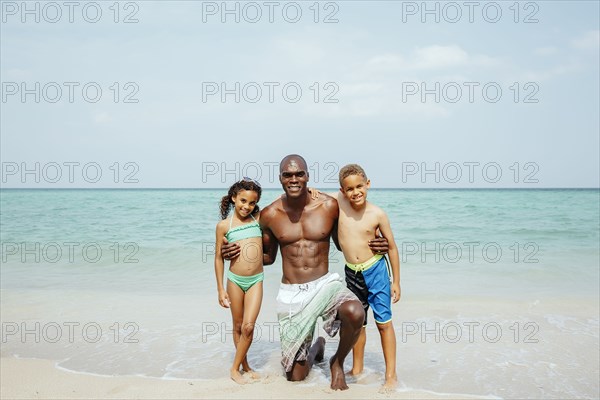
{"x":270,"y":246}
{"x":334,"y":236}
{"x":270,"y":243}
{"x":333,"y":208}
{"x":229,"y":251}
{"x":380,"y":244}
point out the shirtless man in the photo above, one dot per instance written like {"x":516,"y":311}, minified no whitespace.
{"x":302,"y":227}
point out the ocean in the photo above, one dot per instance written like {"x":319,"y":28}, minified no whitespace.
{"x":500,"y":288}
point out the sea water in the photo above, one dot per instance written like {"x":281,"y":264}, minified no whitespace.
{"x":121,"y":282}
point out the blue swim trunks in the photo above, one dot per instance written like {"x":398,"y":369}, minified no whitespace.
{"x":370,"y":282}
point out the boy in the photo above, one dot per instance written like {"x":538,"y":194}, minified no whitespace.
{"x":367,"y":275}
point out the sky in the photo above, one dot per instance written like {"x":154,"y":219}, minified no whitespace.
{"x":191,"y":94}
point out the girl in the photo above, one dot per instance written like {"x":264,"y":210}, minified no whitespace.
{"x":245,"y":275}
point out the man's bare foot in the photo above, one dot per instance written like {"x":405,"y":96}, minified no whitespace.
{"x":237,"y":377}
{"x":320,"y":343}
{"x":338,"y":380}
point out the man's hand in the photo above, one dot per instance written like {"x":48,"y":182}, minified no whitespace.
{"x":379,"y":245}
{"x":396,"y":292}
{"x":229,"y":251}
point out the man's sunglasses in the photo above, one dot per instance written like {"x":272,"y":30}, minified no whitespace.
{"x":297,"y":174}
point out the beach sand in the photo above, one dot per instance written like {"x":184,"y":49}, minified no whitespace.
{"x":40,"y":379}
{"x":556,"y":356}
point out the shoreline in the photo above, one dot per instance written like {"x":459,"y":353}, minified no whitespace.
{"x":463,"y":348}
{"x":27,"y":378}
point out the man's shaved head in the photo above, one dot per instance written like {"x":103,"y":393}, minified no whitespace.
{"x":291,"y":159}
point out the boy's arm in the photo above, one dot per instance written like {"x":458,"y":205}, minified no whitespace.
{"x":386,"y":231}
{"x":314,"y":193}
{"x":220,"y":266}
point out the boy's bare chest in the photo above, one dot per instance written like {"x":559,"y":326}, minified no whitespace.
{"x":351,"y":222}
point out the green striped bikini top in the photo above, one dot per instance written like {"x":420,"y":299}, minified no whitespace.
{"x":243,"y":231}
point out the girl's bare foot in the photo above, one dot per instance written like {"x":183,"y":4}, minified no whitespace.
{"x":252,"y":374}
{"x":355,"y":371}
{"x":237,"y":377}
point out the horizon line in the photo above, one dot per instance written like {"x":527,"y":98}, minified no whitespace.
{"x":328,"y":188}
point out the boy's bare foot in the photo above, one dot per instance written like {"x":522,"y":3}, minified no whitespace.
{"x":338,"y":380}
{"x":391,"y":383}
{"x":320,"y":343}
{"x":237,"y":377}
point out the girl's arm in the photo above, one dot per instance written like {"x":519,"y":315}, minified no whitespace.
{"x":220,"y":265}
{"x":386,"y":231}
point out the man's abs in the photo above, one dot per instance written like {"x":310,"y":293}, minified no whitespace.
{"x":304,"y":261}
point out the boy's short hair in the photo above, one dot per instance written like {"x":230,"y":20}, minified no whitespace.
{"x":351,"y":169}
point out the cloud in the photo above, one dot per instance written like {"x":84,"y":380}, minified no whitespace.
{"x":17,"y":74}
{"x":544,"y":75}
{"x":545,"y":51}
{"x":588,"y":40}
{"x":374,"y":88}
{"x":387,"y":62}
{"x":101,"y":117}
{"x":434,"y":57}
{"x":376,"y":100}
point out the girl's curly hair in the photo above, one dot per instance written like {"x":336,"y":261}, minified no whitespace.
{"x":244,"y":184}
